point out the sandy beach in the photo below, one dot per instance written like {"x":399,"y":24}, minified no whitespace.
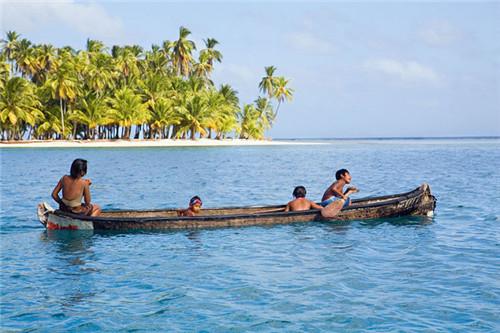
{"x":144,"y":143}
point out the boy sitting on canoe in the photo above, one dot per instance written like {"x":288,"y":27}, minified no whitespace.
{"x":193,"y":209}
{"x":74,"y":189}
{"x":300,"y":202}
{"x":335,"y":198}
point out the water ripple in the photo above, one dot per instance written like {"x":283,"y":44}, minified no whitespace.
{"x":406,"y":274}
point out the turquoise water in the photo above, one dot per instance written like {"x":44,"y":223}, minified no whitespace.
{"x":388,"y":275}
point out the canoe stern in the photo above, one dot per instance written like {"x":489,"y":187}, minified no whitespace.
{"x":427,"y":202}
{"x":52,"y":221}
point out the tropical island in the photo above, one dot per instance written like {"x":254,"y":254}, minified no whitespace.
{"x":126,"y":92}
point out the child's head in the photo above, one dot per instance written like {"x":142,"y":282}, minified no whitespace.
{"x":343,"y":174}
{"x":195,"y":204}
{"x":78,"y":168}
{"x":299,"y":192}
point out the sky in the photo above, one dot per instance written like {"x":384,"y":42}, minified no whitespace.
{"x":364,"y":69}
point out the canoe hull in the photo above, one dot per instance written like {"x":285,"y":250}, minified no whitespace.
{"x":417,"y":202}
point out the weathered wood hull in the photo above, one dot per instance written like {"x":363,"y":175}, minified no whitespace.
{"x":417,"y":202}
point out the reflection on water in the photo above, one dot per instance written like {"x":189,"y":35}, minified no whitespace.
{"x":70,"y":251}
{"x":68,"y":241}
{"x":401,"y":221}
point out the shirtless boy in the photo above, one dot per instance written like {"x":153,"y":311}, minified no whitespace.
{"x":300,"y":202}
{"x":335,"y":198}
{"x":74,"y":189}
{"x":193,"y":209}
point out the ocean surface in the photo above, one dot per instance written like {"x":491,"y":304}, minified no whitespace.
{"x":414,"y":274}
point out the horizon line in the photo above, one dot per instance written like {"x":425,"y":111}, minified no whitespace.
{"x":393,"y":137}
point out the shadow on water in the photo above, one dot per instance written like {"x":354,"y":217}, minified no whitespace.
{"x":403,"y":221}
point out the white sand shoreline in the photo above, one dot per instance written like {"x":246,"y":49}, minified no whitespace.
{"x":146,"y":143}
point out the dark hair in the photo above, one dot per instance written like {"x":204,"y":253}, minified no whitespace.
{"x":299,"y":192}
{"x":195,"y":199}
{"x":340,"y":173}
{"x":77,"y":167}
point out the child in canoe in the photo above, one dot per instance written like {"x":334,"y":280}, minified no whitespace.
{"x":193,"y":209}
{"x":300,"y":202}
{"x":335,"y":198}
{"x":75,"y":188}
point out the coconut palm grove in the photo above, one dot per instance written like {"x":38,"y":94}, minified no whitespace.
{"x":126,"y":92}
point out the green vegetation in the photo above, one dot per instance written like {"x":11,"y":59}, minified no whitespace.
{"x":126,"y":92}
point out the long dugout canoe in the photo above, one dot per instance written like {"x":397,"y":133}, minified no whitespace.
{"x":417,"y":202}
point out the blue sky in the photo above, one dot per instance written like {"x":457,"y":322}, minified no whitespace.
{"x":384,"y":69}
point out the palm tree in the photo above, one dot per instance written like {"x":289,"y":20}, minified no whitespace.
{"x":92,"y":112}
{"x":163,"y":116}
{"x":45,"y":63}
{"x":156,"y":61}
{"x":4,"y":70}
{"x":167,"y":51}
{"x":163,"y":92}
{"x":206,"y":59}
{"x":195,"y":112}
{"x":215,"y":105}
{"x":210,"y":53}
{"x":228,"y":113}
{"x":25,"y":58}
{"x":181,"y":52}
{"x":63,"y":85}
{"x":100,"y":74}
{"x":127,"y":109}
{"x":250,"y":125}
{"x":268,"y":82}
{"x":9,"y":46}
{"x":230,"y":95}
{"x":95,"y":47}
{"x":18,"y":104}
{"x":282,"y":92}
{"x":203,"y":69}
{"x":265,"y":112}
{"x":50,"y":124}
{"x":127,"y":64}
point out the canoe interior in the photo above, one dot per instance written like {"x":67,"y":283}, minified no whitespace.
{"x":257,"y":210}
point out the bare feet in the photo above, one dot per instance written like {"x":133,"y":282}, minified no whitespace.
{"x":332,"y":209}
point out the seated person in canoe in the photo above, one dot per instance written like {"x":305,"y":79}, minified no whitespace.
{"x":193,"y":209}
{"x":335,"y":198}
{"x":75,"y":188}
{"x":300,"y":202}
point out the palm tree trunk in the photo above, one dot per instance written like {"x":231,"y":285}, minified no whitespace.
{"x":138,"y":130}
{"x":193,"y":133}
{"x":277,"y":109}
{"x":62,"y":115}
{"x":174,"y":132}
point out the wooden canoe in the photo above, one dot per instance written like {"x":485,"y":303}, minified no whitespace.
{"x":417,"y":202}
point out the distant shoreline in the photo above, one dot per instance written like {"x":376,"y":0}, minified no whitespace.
{"x":145,"y":143}
{"x":132,"y":143}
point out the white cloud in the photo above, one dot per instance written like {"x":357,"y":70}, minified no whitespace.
{"x":439,"y":33}
{"x":404,"y":70}
{"x":88,"y":18}
{"x":305,"y":41}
